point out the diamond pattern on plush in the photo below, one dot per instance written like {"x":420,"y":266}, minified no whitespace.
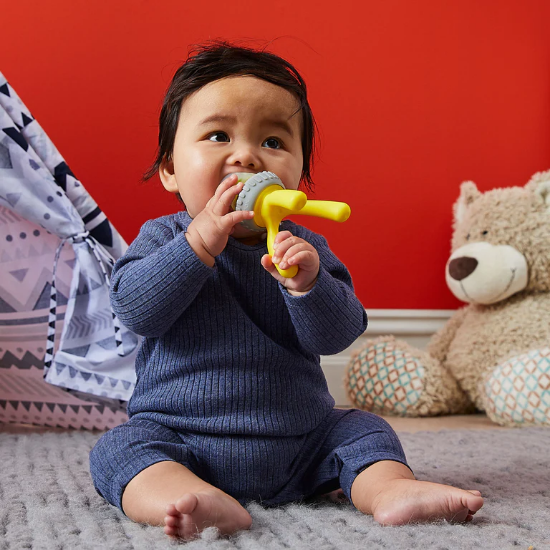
{"x":385,"y":379}
{"x":519,"y":389}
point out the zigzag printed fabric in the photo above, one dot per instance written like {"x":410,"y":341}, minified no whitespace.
{"x":56,"y":255}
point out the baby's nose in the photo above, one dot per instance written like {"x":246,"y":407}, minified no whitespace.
{"x":249,"y":164}
{"x":245,"y":156}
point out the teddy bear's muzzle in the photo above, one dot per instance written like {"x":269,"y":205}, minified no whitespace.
{"x":484,"y":273}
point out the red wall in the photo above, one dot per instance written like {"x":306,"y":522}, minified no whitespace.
{"x":411,"y":97}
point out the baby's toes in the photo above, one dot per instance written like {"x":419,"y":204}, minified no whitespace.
{"x":171,"y":530}
{"x":475,"y":503}
{"x":172,"y":521}
{"x":171,"y":510}
{"x":186,"y":504}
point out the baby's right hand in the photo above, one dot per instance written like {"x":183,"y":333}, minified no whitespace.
{"x":210,"y":229}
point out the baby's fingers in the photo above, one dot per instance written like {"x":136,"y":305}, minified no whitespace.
{"x":282,"y":236}
{"x":298,"y":255}
{"x":237,"y":216}
{"x":293,"y":257}
{"x":268,"y":265}
{"x":283,"y":242}
{"x":224,"y":196}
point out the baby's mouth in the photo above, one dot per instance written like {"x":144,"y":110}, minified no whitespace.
{"x":244,"y":171}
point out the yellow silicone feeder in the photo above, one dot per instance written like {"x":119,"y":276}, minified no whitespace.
{"x":265,"y":194}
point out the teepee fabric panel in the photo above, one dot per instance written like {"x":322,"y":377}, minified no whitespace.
{"x":27,"y":254}
{"x":95,"y":354}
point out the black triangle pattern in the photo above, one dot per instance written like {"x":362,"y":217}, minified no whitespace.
{"x":103,"y":233}
{"x":45,"y":296}
{"x":28,"y":361}
{"x":76,"y":408}
{"x":26,"y":119}
{"x":60,"y":175}
{"x":5,"y":89}
{"x":17,"y":137}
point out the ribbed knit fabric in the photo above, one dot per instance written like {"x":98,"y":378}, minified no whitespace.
{"x":227,"y":350}
{"x":229,"y":382}
{"x":269,"y":469}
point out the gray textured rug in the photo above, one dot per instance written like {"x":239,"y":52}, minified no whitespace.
{"x":47,"y":500}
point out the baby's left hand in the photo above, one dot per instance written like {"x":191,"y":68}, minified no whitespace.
{"x":290,"y":250}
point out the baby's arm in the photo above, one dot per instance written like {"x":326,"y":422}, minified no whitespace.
{"x":156,"y":280}
{"x":329,"y":317}
{"x":162,"y":272}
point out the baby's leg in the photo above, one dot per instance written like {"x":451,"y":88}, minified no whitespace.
{"x":389,"y":491}
{"x":169,"y":494}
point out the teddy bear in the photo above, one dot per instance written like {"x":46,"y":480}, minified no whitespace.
{"x":493,"y":354}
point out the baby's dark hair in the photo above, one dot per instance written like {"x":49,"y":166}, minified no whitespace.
{"x":214,"y":60}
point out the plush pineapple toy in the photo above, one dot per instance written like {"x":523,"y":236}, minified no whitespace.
{"x":492,"y":355}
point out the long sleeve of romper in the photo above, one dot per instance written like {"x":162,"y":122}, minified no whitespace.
{"x":329,"y":318}
{"x":156,"y":280}
{"x":226,"y":350}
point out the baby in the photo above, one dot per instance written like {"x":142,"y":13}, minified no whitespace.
{"x":231,"y":404}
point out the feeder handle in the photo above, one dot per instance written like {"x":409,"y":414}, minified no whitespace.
{"x":330,"y":210}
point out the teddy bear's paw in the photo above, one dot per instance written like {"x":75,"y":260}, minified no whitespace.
{"x":385,"y":379}
{"x":517,"y":392}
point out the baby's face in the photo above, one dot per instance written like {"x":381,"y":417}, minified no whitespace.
{"x":236,"y":124}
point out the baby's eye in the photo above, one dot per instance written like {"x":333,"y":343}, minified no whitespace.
{"x":272,"y":143}
{"x":218,"y":136}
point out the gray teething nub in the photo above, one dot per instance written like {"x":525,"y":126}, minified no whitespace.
{"x":254,"y":184}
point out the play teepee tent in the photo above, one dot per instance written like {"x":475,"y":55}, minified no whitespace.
{"x":64,"y":357}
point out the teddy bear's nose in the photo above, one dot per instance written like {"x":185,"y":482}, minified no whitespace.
{"x":460,"y":268}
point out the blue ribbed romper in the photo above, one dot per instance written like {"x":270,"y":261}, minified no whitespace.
{"x":229,"y":382}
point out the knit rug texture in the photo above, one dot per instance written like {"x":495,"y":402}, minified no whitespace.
{"x":47,"y":500}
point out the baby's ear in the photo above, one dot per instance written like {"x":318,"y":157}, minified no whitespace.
{"x":468,"y":194}
{"x":167,"y":175}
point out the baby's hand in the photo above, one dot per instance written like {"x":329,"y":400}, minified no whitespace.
{"x":210,"y":229}
{"x":290,"y":250}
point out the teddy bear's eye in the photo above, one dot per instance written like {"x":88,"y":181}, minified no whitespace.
{"x":468,"y":237}
{"x":484,"y":232}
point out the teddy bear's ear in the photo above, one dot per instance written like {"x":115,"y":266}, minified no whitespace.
{"x":540,"y":185}
{"x":468,"y":194}
{"x":543,"y":190}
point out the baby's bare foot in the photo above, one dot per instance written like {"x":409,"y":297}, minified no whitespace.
{"x":194,"y":512}
{"x":408,"y":501}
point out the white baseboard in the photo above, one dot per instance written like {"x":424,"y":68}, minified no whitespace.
{"x":415,"y":326}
